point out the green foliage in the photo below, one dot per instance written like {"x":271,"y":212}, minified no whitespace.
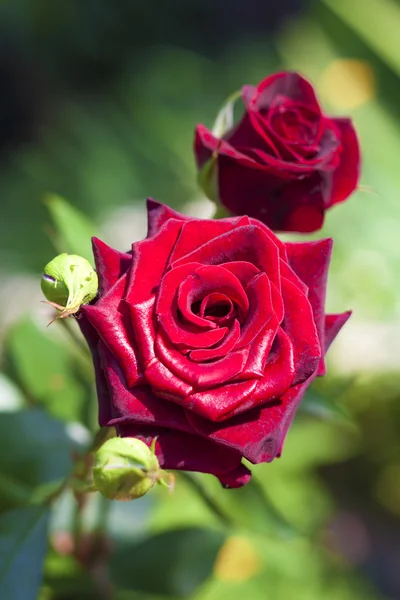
{"x":173,"y":563}
{"x":23,"y":544}
{"x":48,"y":375}
{"x":133,"y":141}
{"x":34,"y":450}
{"x":73,"y":229}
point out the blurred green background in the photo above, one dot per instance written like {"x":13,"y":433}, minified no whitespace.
{"x":99,"y":100}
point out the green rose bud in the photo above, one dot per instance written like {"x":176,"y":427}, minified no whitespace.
{"x":125,"y":469}
{"x":68,"y":281}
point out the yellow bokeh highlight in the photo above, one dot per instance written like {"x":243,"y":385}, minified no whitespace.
{"x":237,"y":560}
{"x":348,"y":83}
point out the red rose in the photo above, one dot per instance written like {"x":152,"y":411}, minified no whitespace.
{"x":285,"y":163}
{"x":207,"y":335}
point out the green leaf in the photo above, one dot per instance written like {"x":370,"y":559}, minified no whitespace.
{"x":45,"y":371}
{"x":225,"y":118}
{"x":65,"y":577}
{"x":73,"y":229}
{"x":207,"y":179}
{"x":34,"y":450}
{"x":251,"y":509}
{"x":22,"y":550}
{"x":323,"y":407}
{"x":173,"y":563}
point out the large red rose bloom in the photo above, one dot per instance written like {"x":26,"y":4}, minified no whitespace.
{"x":286,"y":162}
{"x":206,"y":334}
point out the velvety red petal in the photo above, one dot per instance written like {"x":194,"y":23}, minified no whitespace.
{"x":103,"y":394}
{"x":287,"y":271}
{"x":282,"y":203}
{"x":258,"y":434}
{"x":289,"y":84}
{"x":247,"y":243}
{"x":185,"y":302}
{"x":200,"y":375}
{"x":208,"y":279}
{"x":196,"y":233}
{"x":158,"y":214}
{"x":110,"y":264}
{"x":279,"y":371}
{"x":166,"y":384}
{"x":244,"y":136}
{"x":220,"y":403}
{"x":310,"y":261}
{"x":300,"y":327}
{"x":333,"y":324}
{"x":138,"y":405}
{"x":259,"y":350}
{"x":179,"y":332}
{"x":260,"y":309}
{"x":112,"y":322}
{"x":222,"y":349}
{"x":347,"y":174}
{"x":144,"y":326}
{"x":150,"y":258}
{"x":205,"y":143}
{"x":291,"y":401}
{"x":244,"y":271}
{"x":200,"y":454}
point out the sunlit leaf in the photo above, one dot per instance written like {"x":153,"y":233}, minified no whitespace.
{"x":73,"y":229}
{"x":45,"y":370}
{"x":225,"y":117}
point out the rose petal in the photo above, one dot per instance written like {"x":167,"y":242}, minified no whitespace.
{"x":300,"y":326}
{"x":138,"y":405}
{"x":192,"y":236}
{"x":279,"y":371}
{"x":220,"y":403}
{"x":181,"y":333}
{"x":259,"y":350}
{"x":199,"y":375}
{"x":215,"y":301}
{"x":166,"y":384}
{"x":158,"y":214}
{"x":247,"y":243}
{"x":200,"y":454}
{"x":149,"y":261}
{"x":287,"y":83}
{"x":310,"y":261}
{"x":244,"y":271}
{"x":205,"y":143}
{"x":111,"y":320}
{"x":258,"y":434}
{"x":208,"y":279}
{"x":110,"y":264}
{"x":260,"y":309}
{"x":103,"y":394}
{"x":345,"y":177}
{"x":243,"y":136}
{"x":333,"y":324}
{"x":222,"y":349}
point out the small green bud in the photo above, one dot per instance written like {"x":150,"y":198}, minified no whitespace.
{"x":68,"y":281}
{"x":125,"y":469}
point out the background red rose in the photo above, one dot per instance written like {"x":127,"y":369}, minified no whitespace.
{"x":285,"y":163}
{"x":207,"y":335}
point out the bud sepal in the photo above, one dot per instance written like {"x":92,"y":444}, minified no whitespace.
{"x":126,"y":469}
{"x":68,"y":281}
